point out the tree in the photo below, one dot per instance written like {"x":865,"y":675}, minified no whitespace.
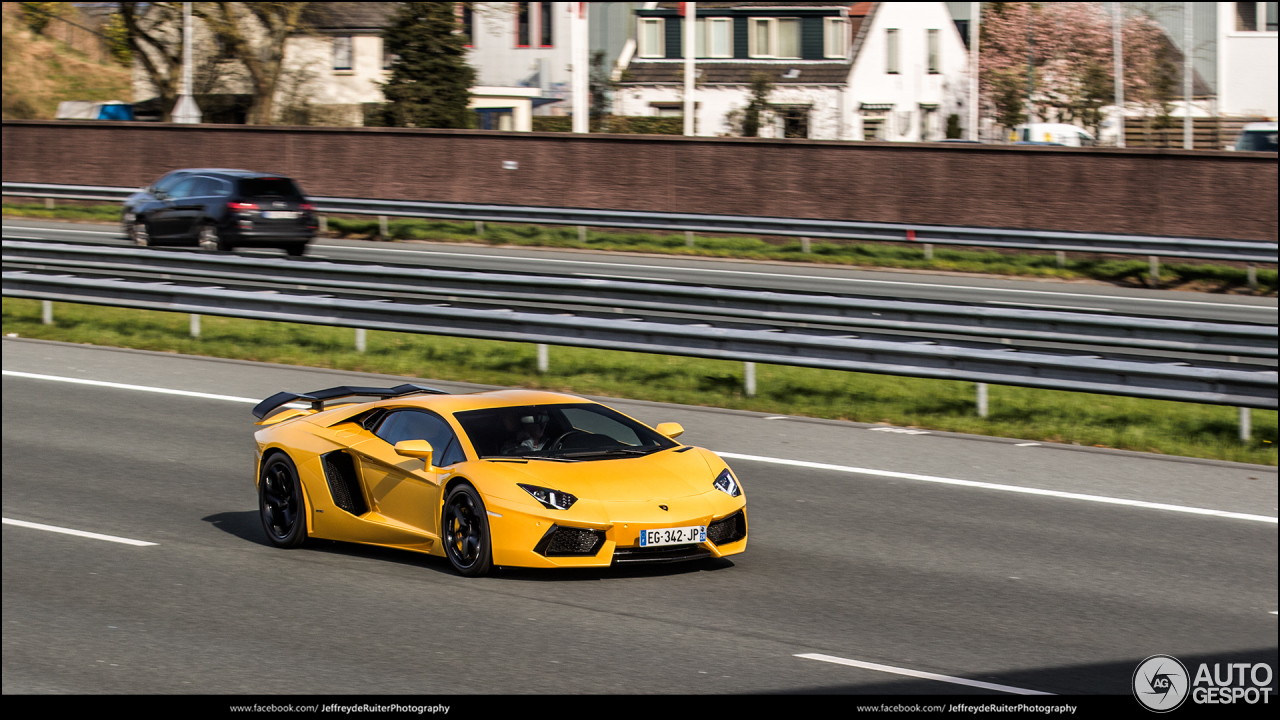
{"x":153,"y":33}
{"x":758,"y":108}
{"x":430,"y":83}
{"x":255,"y":33}
{"x":1066,"y":49}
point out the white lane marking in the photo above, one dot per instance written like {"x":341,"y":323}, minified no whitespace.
{"x":795,"y":276}
{"x":920,"y":674}
{"x":1275,"y":612}
{"x":1027,"y":444}
{"x":756,"y":458}
{"x":1005,"y":488}
{"x":116,"y":233}
{"x":123,"y":386}
{"x":778,"y":417}
{"x":903,"y":431}
{"x":77,"y":533}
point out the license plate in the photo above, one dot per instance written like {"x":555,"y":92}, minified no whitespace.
{"x":279,"y":215}
{"x":673,"y":536}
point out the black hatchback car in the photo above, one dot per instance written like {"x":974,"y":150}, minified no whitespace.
{"x":219,"y":210}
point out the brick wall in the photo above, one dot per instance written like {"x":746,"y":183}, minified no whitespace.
{"x":1139,"y":191}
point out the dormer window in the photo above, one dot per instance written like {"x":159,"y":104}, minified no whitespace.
{"x":652,"y":38}
{"x":773,"y":37}
{"x":714,"y":38}
{"x":835,"y":42}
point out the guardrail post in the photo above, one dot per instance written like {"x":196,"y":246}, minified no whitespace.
{"x":1246,"y":425}
{"x":48,"y":203}
{"x":46,"y":312}
{"x":750,"y":381}
{"x":195,"y":326}
{"x":1062,"y":259}
{"x":1154,"y":279}
{"x":382,"y":228}
{"x":480,"y":228}
{"x":582,"y":234}
{"x":361,"y":343}
{"x":928,"y":252}
{"x":543,"y":363}
{"x":688,"y":237}
{"x":1253,"y":278}
{"x":982,"y":400}
{"x":324,"y":224}
{"x":804,"y":245}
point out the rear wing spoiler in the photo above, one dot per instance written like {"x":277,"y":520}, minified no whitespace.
{"x":319,"y":397}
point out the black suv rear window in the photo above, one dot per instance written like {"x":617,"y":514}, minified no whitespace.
{"x":269,"y":187}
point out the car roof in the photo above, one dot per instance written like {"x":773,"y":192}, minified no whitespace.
{"x":1260,"y":126}
{"x":449,"y":404}
{"x":230,"y":172}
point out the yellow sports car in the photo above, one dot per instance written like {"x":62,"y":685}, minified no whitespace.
{"x":505,"y":478}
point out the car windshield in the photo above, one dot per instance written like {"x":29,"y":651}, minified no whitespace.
{"x":1258,"y":141}
{"x":269,"y":187}
{"x":571,"y":431}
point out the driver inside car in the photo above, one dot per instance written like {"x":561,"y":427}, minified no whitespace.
{"x":528,"y":432}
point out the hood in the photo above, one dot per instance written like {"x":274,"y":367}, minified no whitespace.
{"x":665,"y":474}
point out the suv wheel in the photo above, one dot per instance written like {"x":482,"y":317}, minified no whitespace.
{"x":210,"y":241}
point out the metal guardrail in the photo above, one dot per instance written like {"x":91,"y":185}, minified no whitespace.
{"x":1173,"y":247}
{"x":713,"y":304}
{"x":1082,"y":373}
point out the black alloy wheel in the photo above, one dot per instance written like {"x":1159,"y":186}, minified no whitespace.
{"x":138,"y":232}
{"x":296,"y":249}
{"x":466,"y":532}
{"x":280,"y":502}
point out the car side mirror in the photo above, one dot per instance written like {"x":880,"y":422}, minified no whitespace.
{"x":415,"y":449}
{"x":671,"y":430}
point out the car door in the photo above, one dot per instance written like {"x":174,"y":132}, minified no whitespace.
{"x":189,"y":210}
{"x":402,"y":489}
{"x":166,"y":219}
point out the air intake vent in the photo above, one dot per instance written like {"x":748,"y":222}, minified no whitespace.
{"x":340,"y":471}
{"x":730,"y":529}
{"x":569,"y":542}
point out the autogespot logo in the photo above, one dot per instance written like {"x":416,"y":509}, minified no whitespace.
{"x":1160,"y":683}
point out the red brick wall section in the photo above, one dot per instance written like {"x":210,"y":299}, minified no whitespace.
{"x":1134,"y":191}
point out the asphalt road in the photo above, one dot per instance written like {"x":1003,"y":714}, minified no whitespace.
{"x":1045,"y":592}
{"x":750,"y":274}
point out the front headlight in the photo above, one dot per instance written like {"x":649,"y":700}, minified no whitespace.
{"x":550,"y":499}
{"x":727,"y":484}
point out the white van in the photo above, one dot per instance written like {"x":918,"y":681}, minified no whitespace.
{"x":1257,"y":137}
{"x":1053,"y":134}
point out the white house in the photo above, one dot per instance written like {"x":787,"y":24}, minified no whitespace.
{"x":873,"y":71}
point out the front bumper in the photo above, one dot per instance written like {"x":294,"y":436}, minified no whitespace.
{"x":527,"y":539}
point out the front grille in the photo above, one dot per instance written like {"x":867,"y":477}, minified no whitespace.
{"x":730,"y":529}
{"x":340,"y":471}
{"x":569,"y":542}
{"x":660,"y":554}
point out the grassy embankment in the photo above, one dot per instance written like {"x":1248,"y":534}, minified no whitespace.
{"x":1134,"y":424}
{"x":40,"y":70}
{"x":1180,"y":276}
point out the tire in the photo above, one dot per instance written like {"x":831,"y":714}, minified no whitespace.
{"x":465,"y":532}
{"x":296,"y":249}
{"x":210,"y":240}
{"x":139,"y":232}
{"x":280,"y":502}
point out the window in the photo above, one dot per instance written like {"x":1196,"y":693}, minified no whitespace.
{"x":522,"y":24}
{"x":544,"y":25}
{"x":1271,"y":17}
{"x":774,"y":37}
{"x":873,"y":125}
{"x":342,"y":52}
{"x":652,"y":38}
{"x":934,"y":65}
{"x":1246,"y":16}
{"x":891,"y":51}
{"x":468,"y":23}
{"x":269,"y":187}
{"x":714,"y":38}
{"x":416,"y":425}
{"x":835,"y":32}
{"x":184,"y":189}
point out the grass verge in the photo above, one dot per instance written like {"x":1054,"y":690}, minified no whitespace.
{"x":1122,"y":271}
{"x":1203,"y":431}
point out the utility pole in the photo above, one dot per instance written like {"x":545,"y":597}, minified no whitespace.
{"x":1188,"y":36}
{"x":581,"y":67}
{"x":690,"y":48}
{"x":1117,"y":49}
{"x":975,"y":27}
{"x":186,"y":110}
{"x":1031,"y":61}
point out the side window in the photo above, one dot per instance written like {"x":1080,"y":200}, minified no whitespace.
{"x":415,"y":425}
{"x":205,"y":187}
{"x":184,"y":189}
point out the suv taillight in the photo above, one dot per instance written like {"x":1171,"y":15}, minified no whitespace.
{"x":242,"y":206}
{"x":307,"y":206}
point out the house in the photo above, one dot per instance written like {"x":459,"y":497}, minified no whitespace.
{"x":870,"y":71}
